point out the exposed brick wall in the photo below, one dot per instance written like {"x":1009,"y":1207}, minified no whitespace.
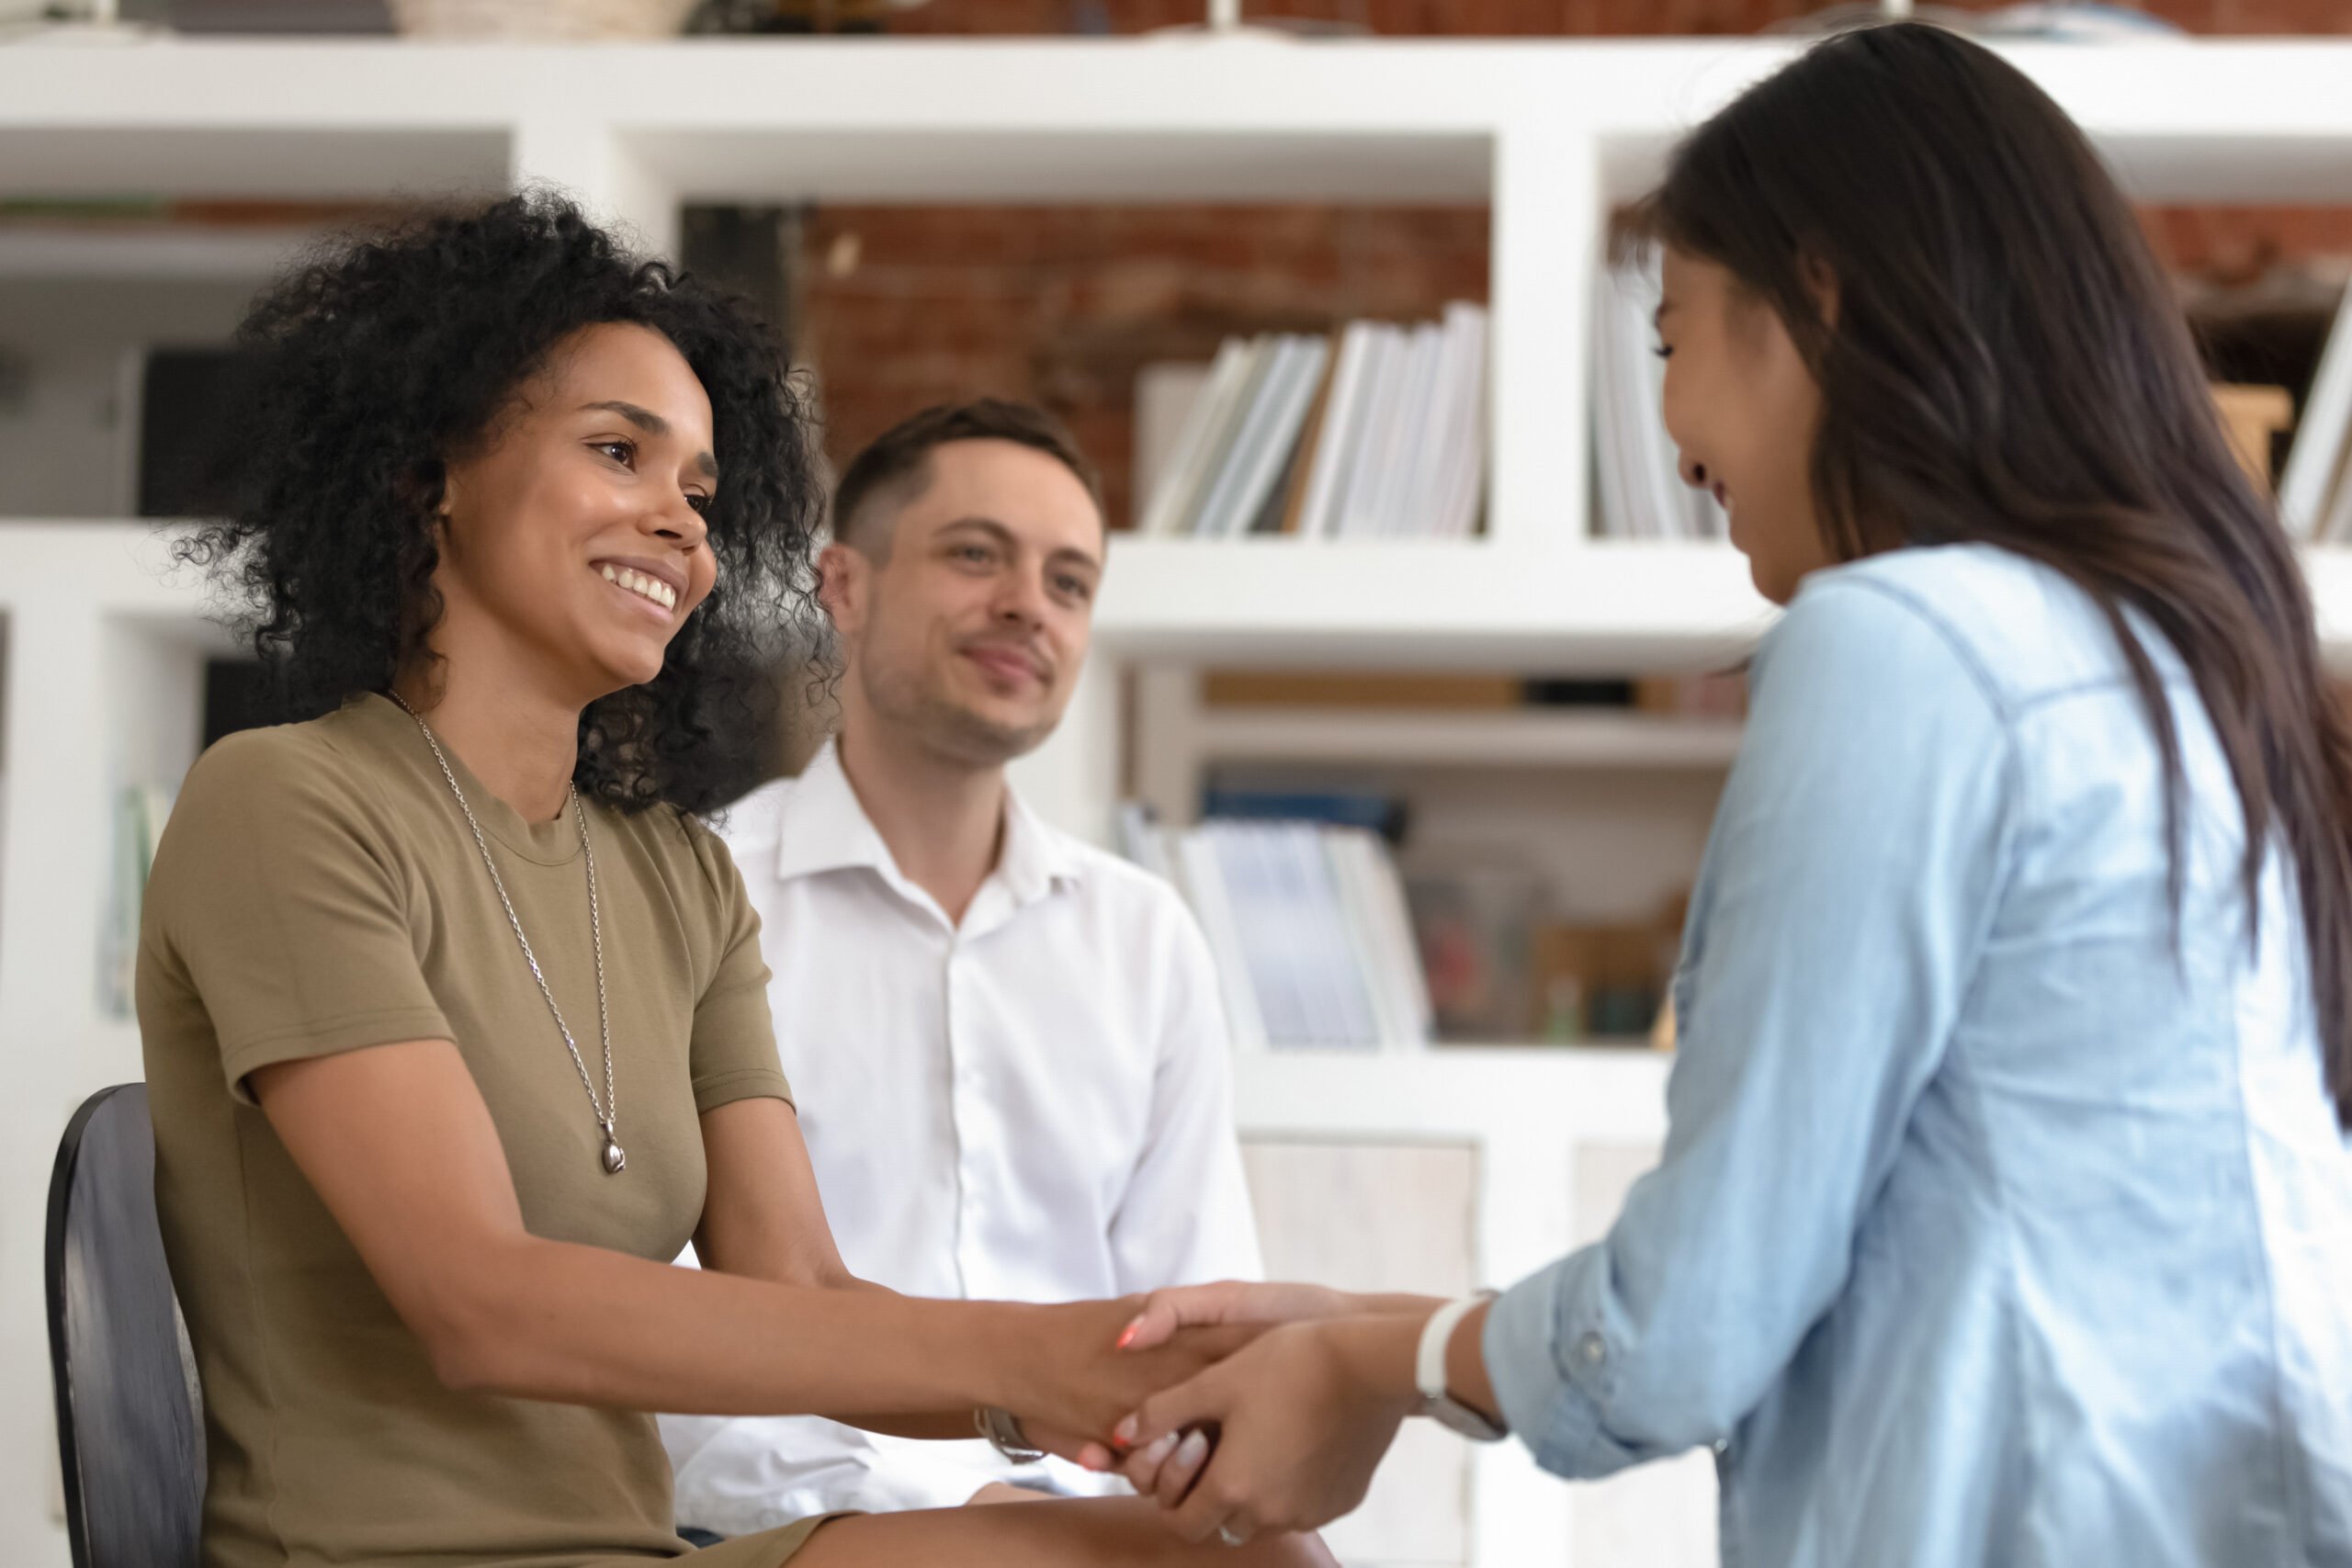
{"x":905,"y":306}
{"x":901,"y":306}
{"x":2237,"y":244}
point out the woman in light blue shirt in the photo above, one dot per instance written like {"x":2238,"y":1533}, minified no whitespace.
{"x":2006,"y":1213}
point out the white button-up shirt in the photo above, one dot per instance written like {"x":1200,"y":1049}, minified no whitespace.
{"x":1034,"y":1106}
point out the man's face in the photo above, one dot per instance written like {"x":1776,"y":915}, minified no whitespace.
{"x":970,"y":632}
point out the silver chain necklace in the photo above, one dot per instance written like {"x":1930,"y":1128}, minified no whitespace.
{"x":608,"y":1109}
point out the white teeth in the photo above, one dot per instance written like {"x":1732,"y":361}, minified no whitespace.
{"x":643,"y":583}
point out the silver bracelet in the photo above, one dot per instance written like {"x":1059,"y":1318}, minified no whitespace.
{"x":1002,"y":1429}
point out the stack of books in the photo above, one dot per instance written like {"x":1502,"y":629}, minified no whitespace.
{"x":1308,"y":921}
{"x":1378,"y":430}
{"x":1639,"y":492}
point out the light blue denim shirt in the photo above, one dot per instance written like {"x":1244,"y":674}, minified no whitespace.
{"x":1992,"y":1228}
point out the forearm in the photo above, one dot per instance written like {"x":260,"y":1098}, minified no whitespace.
{"x":581,"y":1325}
{"x":931,"y":1425}
{"x":1394,"y":1306}
{"x":1382,"y":1349}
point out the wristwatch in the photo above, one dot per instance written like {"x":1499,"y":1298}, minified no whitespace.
{"x":1429,"y":1374}
{"x":1002,"y":1429}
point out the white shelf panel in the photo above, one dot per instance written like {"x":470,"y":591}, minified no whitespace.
{"x":1531,"y":738}
{"x":2244,"y":120}
{"x":1605,"y":608}
{"x":1562,"y":1094}
{"x":141,"y":253}
{"x":115,"y":568}
{"x":308,"y":162}
{"x":958,"y":164}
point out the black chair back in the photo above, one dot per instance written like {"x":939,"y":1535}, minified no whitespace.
{"x":128,"y":1429}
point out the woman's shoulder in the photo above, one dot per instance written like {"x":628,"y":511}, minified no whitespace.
{"x":2013,"y":627}
{"x":278,"y":763}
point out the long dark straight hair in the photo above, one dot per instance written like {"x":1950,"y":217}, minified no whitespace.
{"x":2008,"y":366}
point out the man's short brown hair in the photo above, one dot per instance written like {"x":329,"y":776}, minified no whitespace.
{"x":893,"y":470}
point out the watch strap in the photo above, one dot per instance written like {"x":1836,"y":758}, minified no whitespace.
{"x":1429,"y":1372}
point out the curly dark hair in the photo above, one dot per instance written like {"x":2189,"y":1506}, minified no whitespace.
{"x":373,"y":365}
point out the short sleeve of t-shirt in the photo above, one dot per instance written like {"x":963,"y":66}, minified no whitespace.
{"x":276,"y":893}
{"x":733,"y":1052}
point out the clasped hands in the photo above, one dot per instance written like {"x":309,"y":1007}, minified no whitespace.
{"x":1263,"y":1407}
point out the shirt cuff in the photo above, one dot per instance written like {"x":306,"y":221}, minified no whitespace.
{"x":1551,"y":1363}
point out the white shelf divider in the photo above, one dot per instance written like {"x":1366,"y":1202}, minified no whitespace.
{"x":1506,"y":737}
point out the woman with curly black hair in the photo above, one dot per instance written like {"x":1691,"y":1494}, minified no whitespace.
{"x":455,"y":1020}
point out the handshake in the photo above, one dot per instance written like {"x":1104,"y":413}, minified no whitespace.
{"x":1242,"y":1408}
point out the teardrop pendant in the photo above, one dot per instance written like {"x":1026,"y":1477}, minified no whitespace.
{"x":615,"y":1160}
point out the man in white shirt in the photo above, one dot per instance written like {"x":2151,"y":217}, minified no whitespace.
{"x":1007,"y":1046}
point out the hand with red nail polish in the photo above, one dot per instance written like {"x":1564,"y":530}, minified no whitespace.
{"x":1075,"y":1371}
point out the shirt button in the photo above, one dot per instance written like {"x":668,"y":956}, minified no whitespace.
{"x":1592,"y":1349}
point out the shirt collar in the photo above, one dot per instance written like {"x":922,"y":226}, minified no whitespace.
{"x":1034,"y":859}
{"x":822,"y":828}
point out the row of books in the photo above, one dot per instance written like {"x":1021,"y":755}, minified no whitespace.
{"x":1378,"y":430}
{"x":1308,"y":924}
{"x":1638,"y":491}
{"x":2315,"y":485}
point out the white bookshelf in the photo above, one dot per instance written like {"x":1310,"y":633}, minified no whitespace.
{"x":1514,"y":738}
{"x":102,"y":654}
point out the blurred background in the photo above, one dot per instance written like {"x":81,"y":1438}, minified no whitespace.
{"x":1405,"y":599}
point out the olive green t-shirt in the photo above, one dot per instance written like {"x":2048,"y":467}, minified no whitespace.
{"x":317,"y":891}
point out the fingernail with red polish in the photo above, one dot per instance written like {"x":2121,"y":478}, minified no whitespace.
{"x":1124,"y":1433}
{"x":1128,"y":1335}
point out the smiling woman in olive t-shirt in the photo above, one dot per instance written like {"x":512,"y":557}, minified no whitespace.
{"x":454,"y":1015}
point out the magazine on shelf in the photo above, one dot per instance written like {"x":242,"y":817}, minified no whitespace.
{"x":1308,"y":924}
{"x":1203,"y":885}
{"x":1462,"y":476}
{"x":1205,"y":450}
{"x":1189,"y":454}
{"x":1343,"y":428}
{"x":1268,"y":435}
